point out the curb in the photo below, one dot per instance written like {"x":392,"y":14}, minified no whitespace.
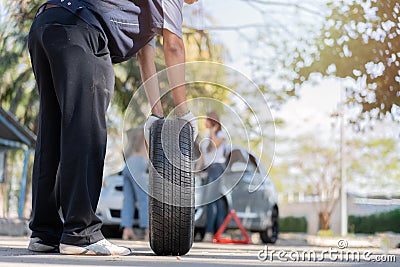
{"x":381,"y":240}
{"x":14,"y":227}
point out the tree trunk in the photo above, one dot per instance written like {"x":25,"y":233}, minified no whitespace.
{"x":324,"y":220}
{"x":16,"y":100}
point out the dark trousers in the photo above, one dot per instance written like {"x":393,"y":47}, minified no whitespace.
{"x":215,"y":209}
{"x":73,"y":70}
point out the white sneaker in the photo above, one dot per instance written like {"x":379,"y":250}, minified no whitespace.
{"x":36,"y":244}
{"x":100,"y":248}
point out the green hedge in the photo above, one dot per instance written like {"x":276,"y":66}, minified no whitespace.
{"x":380,"y":222}
{"x":293,"y":224}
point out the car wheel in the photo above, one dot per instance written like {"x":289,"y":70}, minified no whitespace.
{"x":270,"y":235}
{"x":171,"y":187}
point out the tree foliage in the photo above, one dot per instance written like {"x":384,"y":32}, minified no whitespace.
{"x":359,"y":39}
{"x":374,"y":164}
{"x":17,"y":85}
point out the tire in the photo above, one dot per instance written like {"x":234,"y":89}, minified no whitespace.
{"x":270,"y":235}
{"x":171,"y":188}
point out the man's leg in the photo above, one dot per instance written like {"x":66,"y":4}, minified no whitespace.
{"x":45,"y":222}
{"x":84,"y":79}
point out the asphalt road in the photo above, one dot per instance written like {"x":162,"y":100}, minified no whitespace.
{"x":13,"y":253}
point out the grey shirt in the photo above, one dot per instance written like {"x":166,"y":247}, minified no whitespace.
{"x":172,"y":18}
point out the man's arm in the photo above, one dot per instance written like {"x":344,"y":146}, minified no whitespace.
{"x":146,"y":57}
{"x":174,"y":53}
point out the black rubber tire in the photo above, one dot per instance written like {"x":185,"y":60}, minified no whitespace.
{"x":171,"y":188}
{"x":270,"y":235}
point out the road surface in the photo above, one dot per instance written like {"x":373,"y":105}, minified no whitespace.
{"x":13,"y":253}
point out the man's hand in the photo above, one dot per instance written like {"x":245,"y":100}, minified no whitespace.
{"x":189,"y":117}
{"x":189,"y":2}
{"x":150,"y":120}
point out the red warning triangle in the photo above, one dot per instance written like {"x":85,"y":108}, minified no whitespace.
{"x":221,"y":229}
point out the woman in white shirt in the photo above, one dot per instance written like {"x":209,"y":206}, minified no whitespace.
{"x":213,"y":160}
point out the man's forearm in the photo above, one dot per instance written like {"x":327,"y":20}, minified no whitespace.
{"x":146,"y":57}
{"x":174,"y":53}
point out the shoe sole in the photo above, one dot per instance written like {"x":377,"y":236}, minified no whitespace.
{"x":37,"y":247}
{"x":75,"y":250}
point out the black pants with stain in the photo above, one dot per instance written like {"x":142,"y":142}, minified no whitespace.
{"x":73,"y":70}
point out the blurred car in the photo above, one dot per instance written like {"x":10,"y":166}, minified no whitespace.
{"x":248,"y":190}
{"x":245,"y":187}
{"x":111,"y":199}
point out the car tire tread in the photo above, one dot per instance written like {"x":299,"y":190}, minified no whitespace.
{"x":171,"y":186}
